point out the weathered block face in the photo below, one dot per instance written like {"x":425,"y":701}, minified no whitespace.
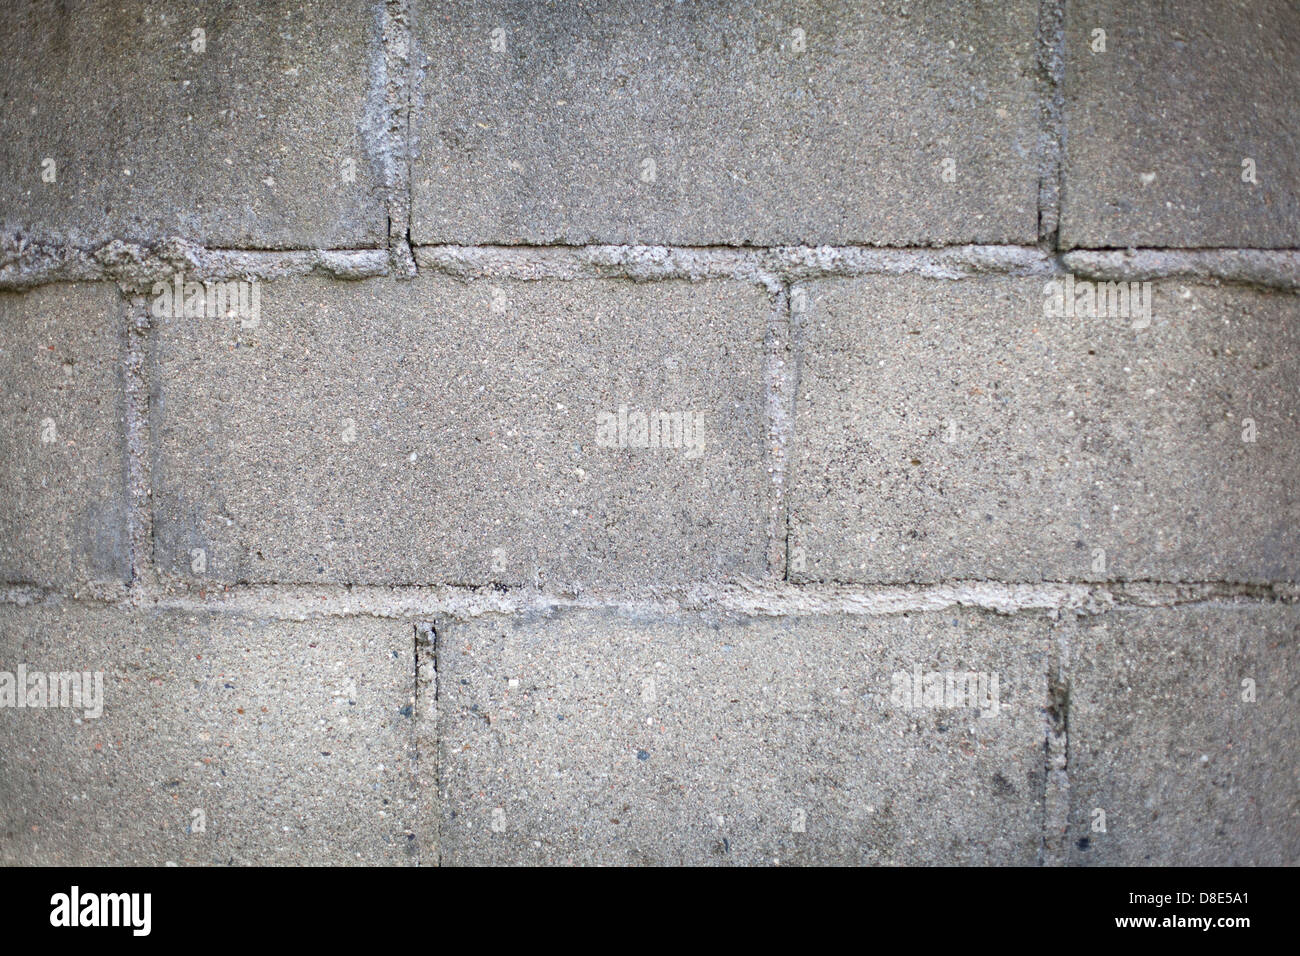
{"x":753,"y":123}
{"x":612,"y":738}
{"x":1180,"y":123}
{"x":63,"y":437}
{"x":245,"y":126}
{"x":444,"y":432}
{"x":1040,"y":439}
{"x":221,"y":739}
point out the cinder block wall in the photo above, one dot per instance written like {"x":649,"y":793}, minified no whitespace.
{"x":647,"y":432}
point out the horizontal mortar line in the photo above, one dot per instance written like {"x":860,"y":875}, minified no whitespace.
{"x":785,"y":261}
{"x":752,"y":597}
{"x":768,"y":265}
{"x":119,"y":255}
{"x":727,"y":247}
{"x":1035,"y":247}
{"x":175,"y":246}
{"x":1268,"y":268}
{"x":30,"y":269}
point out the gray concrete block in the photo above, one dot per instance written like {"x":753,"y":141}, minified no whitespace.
{"x":1185,"y":770}
{"x":243,"y":144}
{"x":616,"y":738}
{"x":950,"y":430}
{"x":62,"y":437}
{"x":1160,"y":123}
{"x":436,"y":431}
{"x":766,"y":122}
{"x":294,"y":740}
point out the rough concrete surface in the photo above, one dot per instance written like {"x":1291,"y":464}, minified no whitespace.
{"x":951,"y":429}
{"x":1183,"y":734}
{"x":766,"y":123}
{"x":443,"y":431}
{"x":1162,"y":123}
{"x":481,"y":432}
{"x":617,"y":738}
{"x":295,"y":741}
{"x":262,"y":138}
{"x":63,"y":520}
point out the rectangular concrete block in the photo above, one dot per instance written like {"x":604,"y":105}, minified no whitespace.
{"x":1181,"y":132}
{"x":617,"y":738}
{"x":436,"y":431}
{"x":760,"y":122}
{"x":249,"y":125}
{"x":951,"y":430}
{"x":222,"y":740}
{"x":63,"y":520}
{"x":1183,"y":741}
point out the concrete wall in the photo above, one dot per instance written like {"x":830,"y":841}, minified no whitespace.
{"x":650,"y":432}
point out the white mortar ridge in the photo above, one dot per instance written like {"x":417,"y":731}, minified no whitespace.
{"x":768,"y":266}
{"x":748,"y":597}
{"x":639,"y":263}
{"x":25,"y":265}
{"x":1257,"y":267}
{"x":1266,"y":268}
{"x":135,"y":268}
{"x":135,"y":378}
{"x":781,"y":379}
